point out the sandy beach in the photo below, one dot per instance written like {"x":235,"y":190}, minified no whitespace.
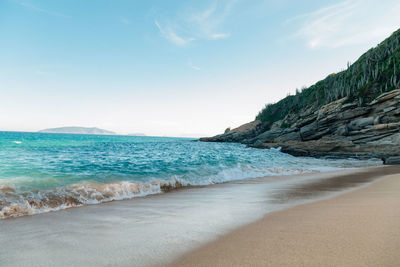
{"x":360,"y":228}
{"x":199,"y":133}
{"x":223,"y":225}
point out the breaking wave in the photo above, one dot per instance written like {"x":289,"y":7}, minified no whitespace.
{"x":18,"y":201}
{"x":48,"y":172}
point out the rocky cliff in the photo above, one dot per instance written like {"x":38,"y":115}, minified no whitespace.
{"x":337,"y":129}
{"x":353,"y":113}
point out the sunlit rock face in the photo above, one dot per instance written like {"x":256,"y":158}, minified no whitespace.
{"x":339,"y":129}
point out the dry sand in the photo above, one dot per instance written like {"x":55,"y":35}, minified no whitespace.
{"x":360,"y":228}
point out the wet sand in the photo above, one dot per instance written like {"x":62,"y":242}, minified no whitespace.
{"x":155,"y":230}
{"x":359,"y":228}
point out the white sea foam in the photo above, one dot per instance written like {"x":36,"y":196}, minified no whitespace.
{"x":15,"y":200}
{"x":52,"y":172}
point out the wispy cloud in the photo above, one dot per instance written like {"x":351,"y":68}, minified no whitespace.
{"x":216,"y":36}
{"x":42,"y":10}
{"x":169,"y":33}
{"x":192,"y":66}
{"x":348,"y":23}
{"x":198,"y":25}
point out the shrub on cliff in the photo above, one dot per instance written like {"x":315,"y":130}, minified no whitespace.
{"x":375,"y":72}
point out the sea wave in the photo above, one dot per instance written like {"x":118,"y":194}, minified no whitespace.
{"x":48,"y":172}
{"x":16,"y":202}
{"x":16,"y":199}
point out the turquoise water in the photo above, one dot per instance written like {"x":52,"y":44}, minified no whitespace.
{"x":42,"y":172}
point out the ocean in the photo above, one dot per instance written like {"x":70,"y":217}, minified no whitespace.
{"x":41,"y":172}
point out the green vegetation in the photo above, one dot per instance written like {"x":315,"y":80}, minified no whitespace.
{"x":375,"y":72}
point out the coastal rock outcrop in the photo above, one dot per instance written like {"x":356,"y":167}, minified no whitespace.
{"x":352,"y":113}
{"x":337,"y":129}
{"x":240,"y":134}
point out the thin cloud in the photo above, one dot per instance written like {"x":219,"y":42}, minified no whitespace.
{"x":192,"y":66}
{"x":348,"y":23}
{"x":207,"y":23}
{"x":196,"y":25}
{"x":42,"y":10}
{"x":217,"y":36}
{"x":169,"y":34}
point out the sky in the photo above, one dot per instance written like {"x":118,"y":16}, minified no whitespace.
{"x":172,"y":68}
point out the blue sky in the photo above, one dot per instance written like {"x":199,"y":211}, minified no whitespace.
{"x":172,"y":67}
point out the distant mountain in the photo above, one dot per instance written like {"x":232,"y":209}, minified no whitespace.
{"x":77,"y":130}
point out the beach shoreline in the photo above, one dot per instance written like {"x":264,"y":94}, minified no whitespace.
{"x":156,"y":229}
{"x":176,"y":186}
{"x":357,"y":228}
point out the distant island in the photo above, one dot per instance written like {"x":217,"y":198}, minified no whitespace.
{"x":77,"y":130}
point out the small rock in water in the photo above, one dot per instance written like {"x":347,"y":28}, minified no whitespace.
{"x":392,"y":161}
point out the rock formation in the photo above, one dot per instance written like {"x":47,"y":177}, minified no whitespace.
{"x":337,"y":129}
{"x":353,"y":113}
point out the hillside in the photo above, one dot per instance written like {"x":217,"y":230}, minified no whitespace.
{"x":375,"y":72}
{"x":76,"y":130}
{"x":353,"y":113}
